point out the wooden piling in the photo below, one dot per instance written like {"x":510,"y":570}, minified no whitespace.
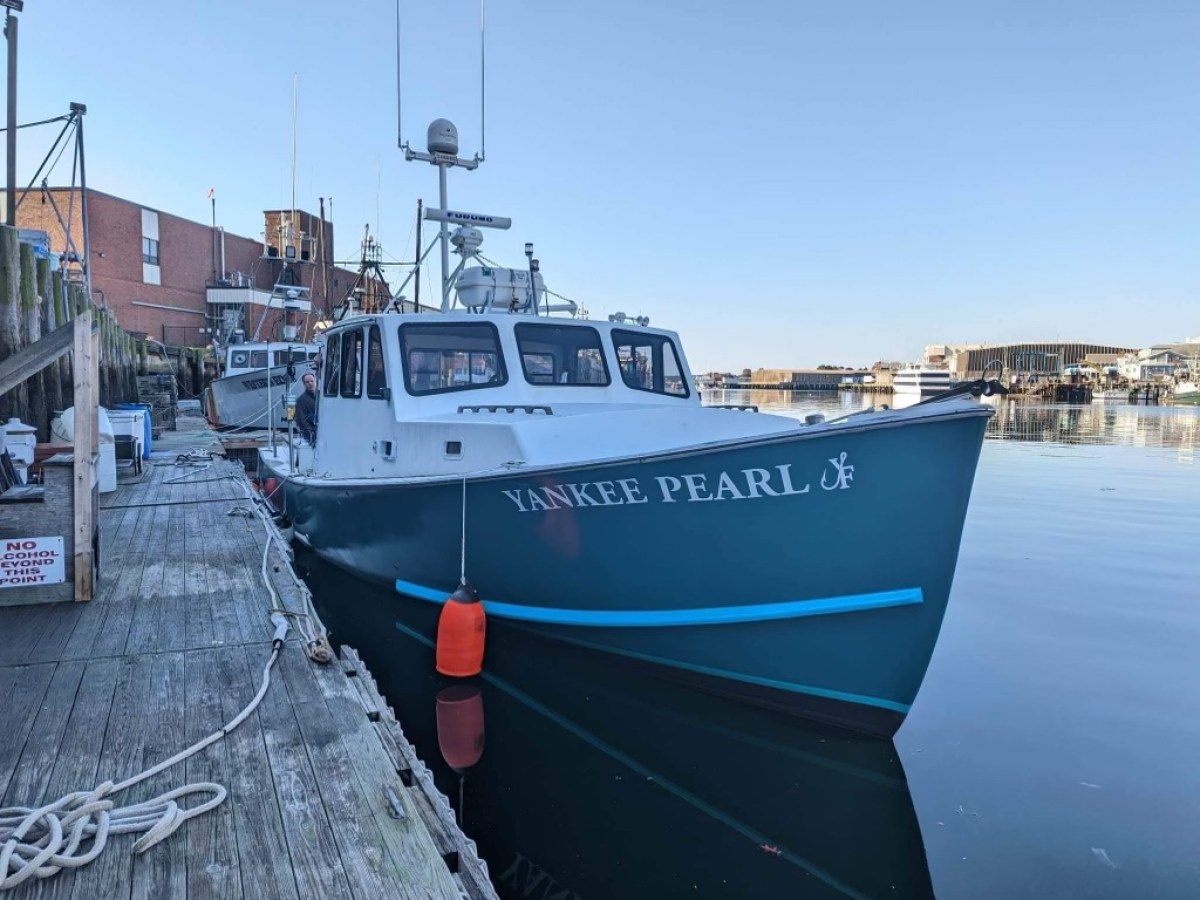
{"x":104,"y":363}
{"x":62,"y":315}
{"x":52,"y":374}
{"x":130,"y":386}
{"x":31,"y":316}
{"x":15,"y":401}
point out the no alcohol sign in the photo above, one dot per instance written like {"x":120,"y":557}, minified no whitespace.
{"x":31,"y":561}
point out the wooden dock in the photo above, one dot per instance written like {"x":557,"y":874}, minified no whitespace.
{"x":173,"y":647}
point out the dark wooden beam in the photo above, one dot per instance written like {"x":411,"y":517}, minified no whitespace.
{"x":25,"y":363}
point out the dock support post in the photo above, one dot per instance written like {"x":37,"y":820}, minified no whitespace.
{"x":87,"y":440}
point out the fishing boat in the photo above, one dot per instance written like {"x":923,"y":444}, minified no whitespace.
{"x":1110,"y":395}
{"x":255,"y":382}
{"x":1186,"y":392}
{"x":567,"y":469}
{"x":920,"y":382}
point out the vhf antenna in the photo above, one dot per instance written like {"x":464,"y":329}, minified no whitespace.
{"x":442,"y":148}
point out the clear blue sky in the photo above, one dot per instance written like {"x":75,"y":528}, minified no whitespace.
{"x":785,"y":182}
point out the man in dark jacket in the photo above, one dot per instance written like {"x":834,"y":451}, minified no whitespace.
{"x":306,"y":409}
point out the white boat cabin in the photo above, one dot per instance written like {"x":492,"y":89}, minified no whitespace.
{"x":253,"y":357}
{"x":405,"y":395}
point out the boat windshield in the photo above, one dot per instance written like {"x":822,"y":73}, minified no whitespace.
{"x":451,"y":357}
{"x":247,"y":359}
{"x":649,"y":362}
{"x":299,"y":355}
{"x":562,"y":354}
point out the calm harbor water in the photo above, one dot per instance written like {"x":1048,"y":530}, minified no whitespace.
{"x":1054,"y":750}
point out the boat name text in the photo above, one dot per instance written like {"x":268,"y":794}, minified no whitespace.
{"x":696,"y":487}
{"x":256,"y":384}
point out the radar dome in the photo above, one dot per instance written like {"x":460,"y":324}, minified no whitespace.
{"x":442,"y":137}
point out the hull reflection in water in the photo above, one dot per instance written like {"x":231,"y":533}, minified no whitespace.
{"x":581,"y":780}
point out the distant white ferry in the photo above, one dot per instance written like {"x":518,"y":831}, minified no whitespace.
{"x":920,"y":382}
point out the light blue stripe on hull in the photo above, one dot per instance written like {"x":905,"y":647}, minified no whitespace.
{"x":702,"y":616}
{"x":650,"y":618}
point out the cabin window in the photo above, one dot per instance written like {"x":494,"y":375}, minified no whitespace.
{"x":451,"y":357}
{"x":376,"y":376}
{"x":562,"y":354}
{"x":352,"y":342}
{"x":258,"y":359}
{"x":649,"y":362}
{"x":239,"y":359}
{"x":298,"y":356}
{"x":333,"y":364}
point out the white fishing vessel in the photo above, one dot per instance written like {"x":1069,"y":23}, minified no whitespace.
{"x":1186,"y":392}
{"x":258,"y":375}
{"x":920,"y":382}
{"x":1110,"y":395}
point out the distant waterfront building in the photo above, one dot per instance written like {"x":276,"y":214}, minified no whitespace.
{"x":801,"y":379}
{"x":1041,"y":358}
{"x":182,"y":282}
{"x":1156,"y":362}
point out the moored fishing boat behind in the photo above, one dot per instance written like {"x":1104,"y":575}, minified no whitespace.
{"x":255,"y":371}
{"x":1110,"y":395}
{"x":1186,"y":392}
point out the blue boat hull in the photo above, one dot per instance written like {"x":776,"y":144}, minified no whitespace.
{"x":810,"y":574}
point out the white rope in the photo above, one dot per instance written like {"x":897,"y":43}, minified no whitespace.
{"x":45,"y":840}
{"x":462,"y":559}
{"x":42,"y":841}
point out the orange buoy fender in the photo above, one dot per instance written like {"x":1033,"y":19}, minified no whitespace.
{"x":460,"y":725}
{"x":460,"y":634}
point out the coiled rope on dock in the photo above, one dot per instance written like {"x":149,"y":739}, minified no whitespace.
{"x":42,"y":841}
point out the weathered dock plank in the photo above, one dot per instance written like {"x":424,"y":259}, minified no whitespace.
{"x":122,"y":755}
{"x":24,"y":686}
{"x":432,"y":805}
{"x":213,"y":870}
{"x":172,"y":648}
{"x":266,"y":869}
{"x":162,"y":874}
{"x":306,"y":823}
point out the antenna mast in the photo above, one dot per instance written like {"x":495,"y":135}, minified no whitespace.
{"x":292,"y":220}
{"x":442,"y":146}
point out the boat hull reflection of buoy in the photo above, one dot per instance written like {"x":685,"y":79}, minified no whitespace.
{"x":460,"y":634}
{"x":460,"y":725}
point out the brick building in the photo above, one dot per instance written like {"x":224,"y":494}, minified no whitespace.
{"x":185,"y":283}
